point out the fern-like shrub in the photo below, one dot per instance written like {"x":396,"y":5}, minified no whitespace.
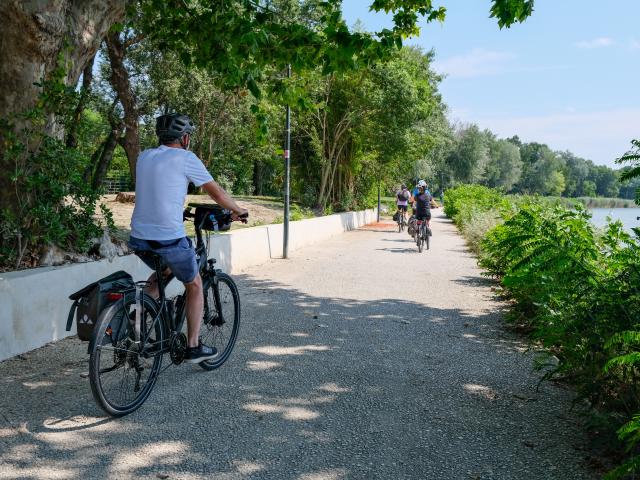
{"x":576,"y":289}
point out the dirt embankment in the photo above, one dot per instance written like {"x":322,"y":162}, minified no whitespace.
{"x":262,"y":211}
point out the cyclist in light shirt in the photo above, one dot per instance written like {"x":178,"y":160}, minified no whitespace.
{"x":163,"y":174}
{"x":402,"y":200}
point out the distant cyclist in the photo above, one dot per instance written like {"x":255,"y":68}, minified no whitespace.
{"x":402,"y":200}
{"x":422,"y":209}
{"x":414,"y":193}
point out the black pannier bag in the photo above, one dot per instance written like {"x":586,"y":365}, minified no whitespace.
{"x":212,"y":217}
{"x":90,"y":301}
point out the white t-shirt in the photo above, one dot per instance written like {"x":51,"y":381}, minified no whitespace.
{"x":162,"y":178}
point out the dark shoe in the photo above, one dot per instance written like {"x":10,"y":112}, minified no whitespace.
{"x":200,"y":353}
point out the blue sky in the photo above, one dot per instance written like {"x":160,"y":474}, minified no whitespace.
{"x":567,"y":77}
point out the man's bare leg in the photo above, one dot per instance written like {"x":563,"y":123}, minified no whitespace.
{"x":195,"y":310}
{"x":195,"y":304}
{"x":152,"y":288}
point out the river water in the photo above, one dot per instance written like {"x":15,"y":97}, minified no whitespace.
{"x":628,"y":216}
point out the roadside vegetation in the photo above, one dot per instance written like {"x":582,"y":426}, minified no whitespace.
{"x":575,"y":289}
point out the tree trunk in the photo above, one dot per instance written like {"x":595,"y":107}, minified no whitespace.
{"x":121,"y":83}
{"x":258,"y":177}
{"x":32,"y":37}
{"x":34,"y":33}
{"x":106,"y":155}
{"x":87,"y":78}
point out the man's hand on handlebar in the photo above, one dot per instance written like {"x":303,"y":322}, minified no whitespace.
{"x":241,"y":215}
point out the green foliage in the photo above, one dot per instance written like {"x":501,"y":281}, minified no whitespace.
{"x":476,"y":156}
{"x":241,"y":41}
{"x":632,"y":157}
{"x":576,"y":290}
{"x":459,"y":200}
{"x":54,"y":205}
{"x":469,"y":158}
{"x":510,"y":11}
{"x":504,"y":167}
{"x":299,"y":213}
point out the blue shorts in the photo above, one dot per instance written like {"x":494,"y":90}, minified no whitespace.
{"x":177,"y":254}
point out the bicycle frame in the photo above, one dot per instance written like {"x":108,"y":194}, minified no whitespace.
{"x":173,"y":323}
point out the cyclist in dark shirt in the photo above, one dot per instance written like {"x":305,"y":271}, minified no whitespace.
{"x":423,"y":206}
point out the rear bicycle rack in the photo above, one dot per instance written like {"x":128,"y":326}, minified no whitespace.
{"x":139,"y":289}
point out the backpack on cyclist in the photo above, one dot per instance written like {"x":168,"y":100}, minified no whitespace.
{"x":402,"y":196}
{"x":90,"y":301}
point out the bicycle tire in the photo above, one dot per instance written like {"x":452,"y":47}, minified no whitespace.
{"x":125,"y":356}
{"x":217,"y":332}
{"x":427,"y":240}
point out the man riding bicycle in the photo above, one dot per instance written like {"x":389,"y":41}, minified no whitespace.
{"x":422,"y":210}
{"x":414,"y":195}
{"x":402,"y":200}
{"x":163,"y":174}
{"x":414,"y":192}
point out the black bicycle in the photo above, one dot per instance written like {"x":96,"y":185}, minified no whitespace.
{"x":132,"y":335}
{"x":423,"y":232}
{"x":402,"y":220}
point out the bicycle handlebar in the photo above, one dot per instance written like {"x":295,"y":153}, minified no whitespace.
{"x":226,"y":216}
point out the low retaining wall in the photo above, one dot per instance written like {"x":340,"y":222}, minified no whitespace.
{"x":34,"y":303}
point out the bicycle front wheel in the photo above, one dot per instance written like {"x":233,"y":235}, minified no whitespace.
{"x":124,"y":364}
{"x":221,"y":318}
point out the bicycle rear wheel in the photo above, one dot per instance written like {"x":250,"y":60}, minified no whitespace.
{"x":122,"y":372}
{"x":221,"y":319}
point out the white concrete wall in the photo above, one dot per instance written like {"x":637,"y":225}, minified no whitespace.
{"x":34,"y":303}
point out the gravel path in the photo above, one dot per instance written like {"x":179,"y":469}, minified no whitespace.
{"x":358,"y":359}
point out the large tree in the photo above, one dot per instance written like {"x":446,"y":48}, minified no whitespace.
{"x":469,"y":158}
{"x":35,"y":39}
{"x":504,"y":166}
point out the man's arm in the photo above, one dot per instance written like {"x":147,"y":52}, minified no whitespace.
{"x":222,"y":198}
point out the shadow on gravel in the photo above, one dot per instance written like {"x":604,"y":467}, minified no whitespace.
{"x":476,"y":281}
{"x":317,"y":388}
{"x":413,"y":249}
{"x":399,"y":240}
{"x":460,"y":250}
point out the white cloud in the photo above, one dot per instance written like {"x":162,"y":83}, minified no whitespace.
{"x":599,"y":136}
{"x":477,"y":63}
{"x":634,"y":44}
{"x":596,"y":43}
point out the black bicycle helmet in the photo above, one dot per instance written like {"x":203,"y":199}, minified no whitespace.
{"x":173,"y":126}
